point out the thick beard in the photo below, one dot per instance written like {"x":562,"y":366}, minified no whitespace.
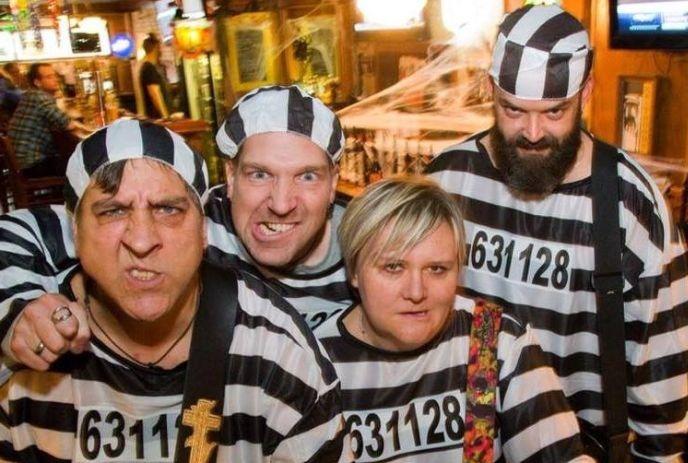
{"x":537,"y":174}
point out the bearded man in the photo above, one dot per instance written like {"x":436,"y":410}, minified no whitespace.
{"x":526,"y":191}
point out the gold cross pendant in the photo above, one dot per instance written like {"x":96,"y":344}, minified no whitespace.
{"x":201,"y":421}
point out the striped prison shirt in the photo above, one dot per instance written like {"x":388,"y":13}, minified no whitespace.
{"x":410,"y":406}
{"x":281,"y":400}
{"x":536,"y":259}
{"x":37,"y":253}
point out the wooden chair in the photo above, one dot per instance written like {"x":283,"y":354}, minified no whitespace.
{"x":28,"y":192}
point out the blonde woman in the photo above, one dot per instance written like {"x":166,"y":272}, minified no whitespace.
{"x":403,"y":350}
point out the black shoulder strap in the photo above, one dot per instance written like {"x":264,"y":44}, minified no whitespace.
{"x":608,"y":283}
{"x":206,"y":369}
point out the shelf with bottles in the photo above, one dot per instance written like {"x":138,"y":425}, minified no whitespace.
{"x":373,"y":154}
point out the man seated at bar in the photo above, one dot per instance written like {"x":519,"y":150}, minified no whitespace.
{"x":427,"y":376}
{"x":31,"y":126}
{"x":135,"y":191}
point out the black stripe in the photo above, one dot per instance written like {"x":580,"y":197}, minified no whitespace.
{"x":55,"y":416}
{"x":94,"y":151}
{"x":70,"y":196}
{"x":199,"y":182}
{"x":254,"y":429}
{"x":49,"y":225}
{"x":443,"y":381}
{"x":556,"y":28}
{"x":557,"y":76}
{"x":131,"y":379}
{"x":252,"y":322}
{"x":562,"y":450}
{"x":529,"y":412}
{"x":157,"y":142}
{"x":28,"y":454}
{"x":511,"y":20}
{"x":234,"y":127}
{"x":660,"y":445}
{"x":327,"y":407}
{"x":274,"y":380}
{"x":300,"y":115}
{"x":511,"y":63}
{"x":336,"y":137}
{"x":658,"y":414}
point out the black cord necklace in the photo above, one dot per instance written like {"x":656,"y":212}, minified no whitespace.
{"x":87,"y":303}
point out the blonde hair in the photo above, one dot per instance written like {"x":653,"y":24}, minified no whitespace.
{"x":413,"y":206}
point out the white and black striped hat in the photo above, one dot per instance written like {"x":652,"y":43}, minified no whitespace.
{"x":281,"y":109}
{"x":132,"y":139}
{"x":542,"y":52}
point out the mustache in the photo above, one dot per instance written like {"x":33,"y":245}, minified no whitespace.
{"x":541,"y":144}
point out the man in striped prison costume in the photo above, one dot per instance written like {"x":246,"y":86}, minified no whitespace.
{"x":135,"y":190}
{"x":525,"y":189}
{"x":276,"y":218}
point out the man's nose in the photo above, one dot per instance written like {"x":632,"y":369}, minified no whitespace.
{"x":141,"y":236}
{"x":533,"y":130}
{"x":282,"y":197}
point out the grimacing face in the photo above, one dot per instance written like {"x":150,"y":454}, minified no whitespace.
{"x":406,"y":300}
{"x":142,"y":245}
{"x":281,"y":188}
{"x":535,"y":143}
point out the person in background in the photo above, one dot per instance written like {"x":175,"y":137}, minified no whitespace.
{"x":15,"y":74}
{"x":525,"y":189}
{"x":135,"y":191}
{"x":153,"y":82}
{"x":30,"y":128}
{"x":408,"y":350}
{"x":10,"y":93}
{"x":276,"y":217}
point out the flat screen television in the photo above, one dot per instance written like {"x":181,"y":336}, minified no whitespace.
{"x":660,"y":24}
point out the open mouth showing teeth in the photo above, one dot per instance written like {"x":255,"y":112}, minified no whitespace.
{"x":270,"y":228}
{"x":142,"y":275}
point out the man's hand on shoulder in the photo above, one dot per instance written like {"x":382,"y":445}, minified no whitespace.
{"x":47,"y":328}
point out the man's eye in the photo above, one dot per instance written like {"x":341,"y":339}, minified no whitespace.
{"x":309,"y":176}
{"x":555,"y":113}
{"x":512,"y":112}
{"x":112,"y":212}
{"x":258,"y":175}
{"x":167,"y":210}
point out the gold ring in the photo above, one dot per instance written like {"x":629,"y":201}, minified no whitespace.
{"x":61,"y":314}
{"x":40,"y":347}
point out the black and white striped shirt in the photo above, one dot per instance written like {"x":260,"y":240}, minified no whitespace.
{"x":410,"y":407}
{"x":536,"y":258}
{"x":281,"y":402}
{"x":37,"y":253}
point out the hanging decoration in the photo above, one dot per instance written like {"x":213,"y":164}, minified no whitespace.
{"x":193,"y":37}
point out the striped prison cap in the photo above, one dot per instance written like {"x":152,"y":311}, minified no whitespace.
{"x":281,"y":109}
{"x":542,"y":52}
{"x":132,"y":139}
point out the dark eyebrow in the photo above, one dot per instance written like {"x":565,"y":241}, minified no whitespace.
{"x":172,"y":201}
{"x":106,"y":203}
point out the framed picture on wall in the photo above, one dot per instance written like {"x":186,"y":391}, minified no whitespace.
{"x":636,"y":113}
{"x":253,"y":44}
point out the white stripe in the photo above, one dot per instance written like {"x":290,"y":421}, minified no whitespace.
{"x":371,"y":375}
{"x":545,"y":432}
{"x":123,"y":140}
{"x":532,"y":71}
